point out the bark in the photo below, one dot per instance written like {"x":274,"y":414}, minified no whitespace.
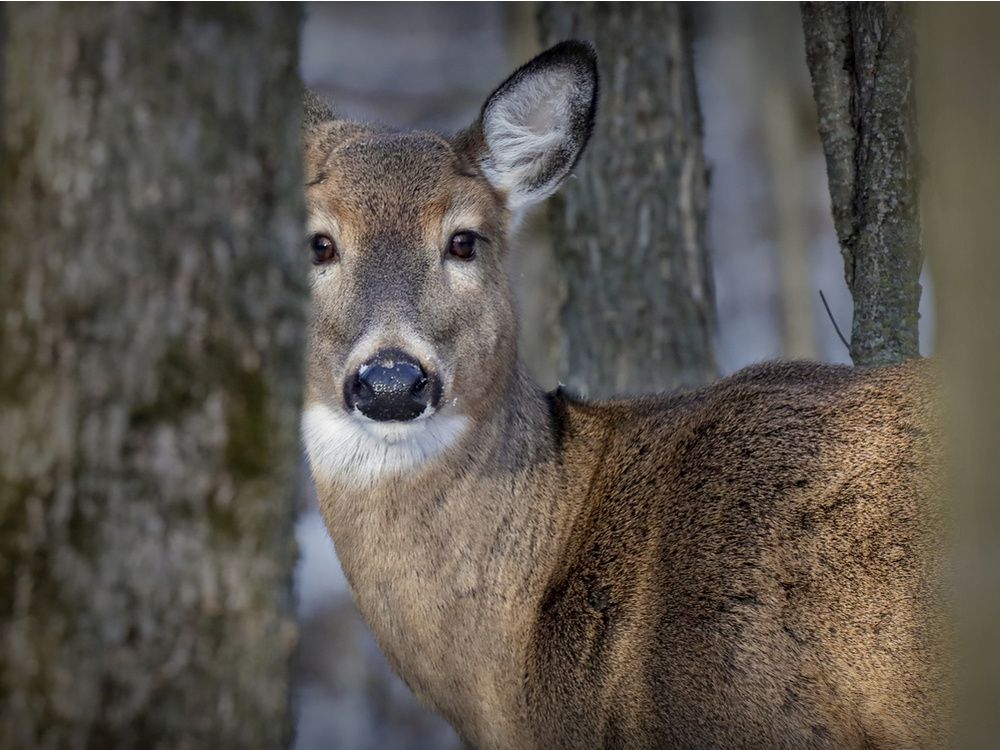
{"x":152,"y":307}
{"x":637,"y":309}
{"x":860,"y":56}
{"x":960,"y":118}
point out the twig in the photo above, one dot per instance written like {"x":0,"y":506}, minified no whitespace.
{"x":835,"y":326}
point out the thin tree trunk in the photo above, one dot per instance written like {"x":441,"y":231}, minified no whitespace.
{"x":152,"y":304}
{"x":860,"y":56}
{"x":960,"y":116}
{"x":637,"y":310}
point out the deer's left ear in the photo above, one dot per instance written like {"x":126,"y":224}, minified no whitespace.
{"x":534,"y":127}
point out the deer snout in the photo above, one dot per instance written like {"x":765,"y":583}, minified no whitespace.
{"x":392,"y":386}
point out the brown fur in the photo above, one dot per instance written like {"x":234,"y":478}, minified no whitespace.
{"x":753,"y":564}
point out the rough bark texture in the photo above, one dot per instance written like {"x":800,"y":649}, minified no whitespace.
{"x":637,"y":310}
{"x":152,"y":307}
{"x":960,"y":118}
{"x":860,"y":56}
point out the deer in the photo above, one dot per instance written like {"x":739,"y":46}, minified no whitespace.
{"x":755,"y":563}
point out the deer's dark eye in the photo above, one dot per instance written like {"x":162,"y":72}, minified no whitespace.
{"x":463,"y":245}
{"x":323,"y":249}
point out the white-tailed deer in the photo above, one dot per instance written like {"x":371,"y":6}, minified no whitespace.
{"x":753,"y":564}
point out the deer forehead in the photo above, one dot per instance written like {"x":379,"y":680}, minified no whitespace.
{"x":412,"y":185}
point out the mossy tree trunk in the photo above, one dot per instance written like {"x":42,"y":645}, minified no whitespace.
{"x":637,"y":308}
{"x":152,"y":300}
{"x":860,"y":56}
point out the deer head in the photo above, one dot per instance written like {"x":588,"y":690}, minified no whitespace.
{"x":413,"y":333}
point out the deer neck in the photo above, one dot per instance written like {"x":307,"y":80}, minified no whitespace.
{"x":448,"y":564}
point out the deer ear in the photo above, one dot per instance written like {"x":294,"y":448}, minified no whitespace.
{"x":317,"y":121}
{"x":322,"y":130}
{"x":315,"y":110}
{"x":534,"y":127}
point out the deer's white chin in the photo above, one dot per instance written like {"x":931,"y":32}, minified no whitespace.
{"x":350,"y":448}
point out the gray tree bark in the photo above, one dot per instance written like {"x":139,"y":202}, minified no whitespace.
{"x":960,"y":120}
{"x":152,"y":305}
{"x":860,"y":56}
{"x":637,"y":309}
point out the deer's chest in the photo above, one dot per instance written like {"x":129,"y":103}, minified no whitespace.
{"x":439,"y":616}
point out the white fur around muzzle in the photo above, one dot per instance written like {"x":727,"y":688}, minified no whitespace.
{"x":349,"y":448}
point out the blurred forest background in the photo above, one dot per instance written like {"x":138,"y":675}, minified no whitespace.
{"x":153,"y":303}
{"x":770,"y":238}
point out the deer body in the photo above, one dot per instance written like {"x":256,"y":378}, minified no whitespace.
{"x":752,"y":564}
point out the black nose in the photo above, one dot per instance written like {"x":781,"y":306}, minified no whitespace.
{"x":391,"y":387}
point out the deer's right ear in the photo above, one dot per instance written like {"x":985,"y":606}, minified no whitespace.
{"x":534,"y":127}
{"x":321,"y":132}
{"x":314,"y":110}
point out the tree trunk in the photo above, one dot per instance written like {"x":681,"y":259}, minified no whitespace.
{"x":152,"y":306}
{"x":860,"y":56}
{"x":637,"y":310}
{"x":960,"y":116}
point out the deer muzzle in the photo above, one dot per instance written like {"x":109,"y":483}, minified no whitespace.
{"x":392,"y":386}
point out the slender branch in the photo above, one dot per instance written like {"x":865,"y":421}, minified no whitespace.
{"x":834,"y":321}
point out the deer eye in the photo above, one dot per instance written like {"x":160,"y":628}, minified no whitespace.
{"x":462,"y":245}
{"x":323,"y":249}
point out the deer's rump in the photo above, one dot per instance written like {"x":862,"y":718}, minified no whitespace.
{"x":757,"y":565}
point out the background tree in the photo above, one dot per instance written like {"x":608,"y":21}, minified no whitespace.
{"x":960,"y":116}
{"x":860,"y":56}
{"x":637,"y":312}
{"x":151,"y":326}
